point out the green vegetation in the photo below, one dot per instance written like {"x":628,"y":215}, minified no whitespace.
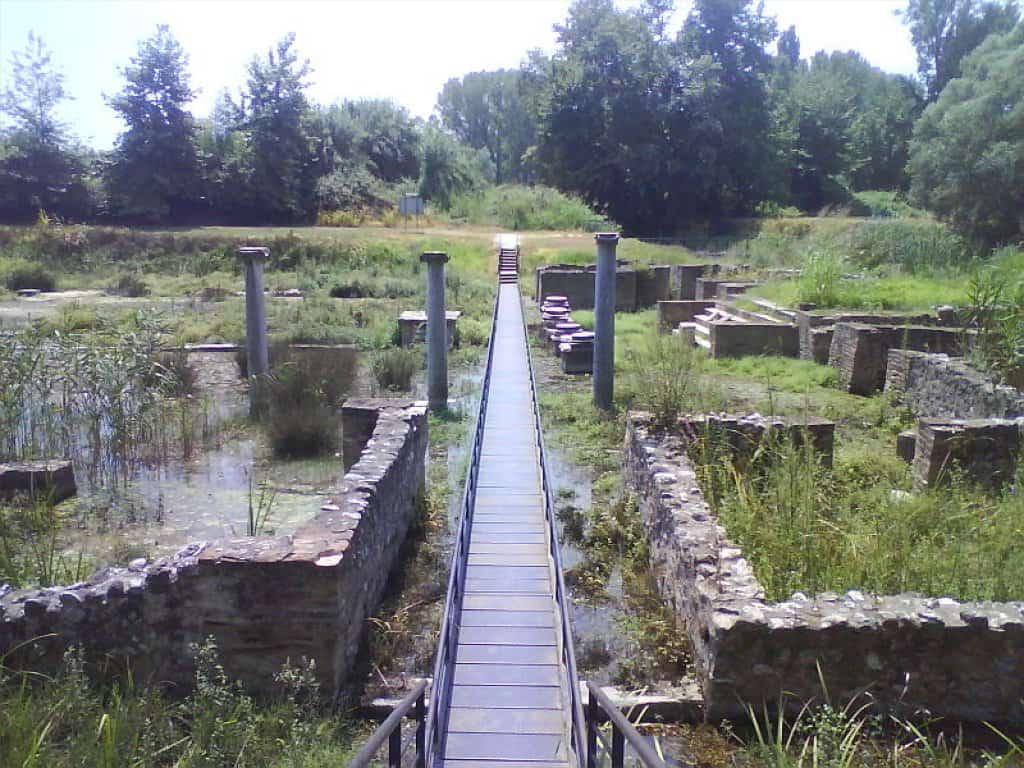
{"x":519,"y":207}
{"x":66,"y":721}
{"x":393,"y":369}
{"x":810,"y":529}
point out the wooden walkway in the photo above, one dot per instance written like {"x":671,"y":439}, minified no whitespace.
{"x":509,"y":704}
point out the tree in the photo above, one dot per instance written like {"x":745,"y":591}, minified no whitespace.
{"x":153,"y":173}
{"x":486,"y":110}
{"x":945,"y":31}
{"x":39,"y":168}
{"x":448,"y":168}
{"x":377,"y":134}
{"x":967,"y":154}
{"x":738,"y":129}
{"x":789,"y":46}
{"x":285,"y":153}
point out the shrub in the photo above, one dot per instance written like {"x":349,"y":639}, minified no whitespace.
{"x":521,"y":207}
{"x":886,"y":204}
{"x":915,"y":246}
{"x":393,"y":369}
{"x":128,"y":284}
{"x":20,"y":274}
{"x":172,"y":373}
{"x":299,"y":419}
{"x":820,"y":280}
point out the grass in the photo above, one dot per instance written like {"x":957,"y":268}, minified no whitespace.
{"x":517,"y":207}
{"x":811,"y":529}
{"x":67,"y":721}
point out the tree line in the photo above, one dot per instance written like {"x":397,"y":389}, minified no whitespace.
{"x":660,"y":130}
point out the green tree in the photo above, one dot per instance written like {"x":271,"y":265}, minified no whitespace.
{"x":967,"y":154}
{"x":748,"y":159}
{"x":448,"y":167}
{"x":286,"y":153}
{"x":153,"y":173}
{"x":945,"y":31}
{"x":486,"y":110}
{"x":39,"y":167}
{"x":378,"y":134}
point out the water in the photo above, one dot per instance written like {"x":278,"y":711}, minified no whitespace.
{"x":209,"y":494}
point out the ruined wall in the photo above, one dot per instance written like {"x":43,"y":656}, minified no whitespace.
{"x":672,"y":313}
{"x":740,"y":339}
{"x":913,"y":654}
{"x":577,"y":284}
{"x":939,"y":386}
{"x":986,"y":450}
{"x":262,"y":600}
{"x":861,"y":352}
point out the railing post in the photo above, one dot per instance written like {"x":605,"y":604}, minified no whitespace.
{"x":592,"y":714}
{"x":395,"y":747}
{"x":421,"y":732}
{"x":618,"y":747}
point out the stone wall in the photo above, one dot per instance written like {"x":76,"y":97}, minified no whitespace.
{"x":672,"y":313}
{"x":262,"y":600}
{"x":634,"y":289}
{"x":861,"y":352}
{"x":939,"y":386}
{"x":986,"y":450}
{"x":577,"y":284}
{"x":744,"y":433}
{"x":740,"y":339}
{"x":653,"y":284}
{"x":912,"y":654}
{"x":816,"y":329}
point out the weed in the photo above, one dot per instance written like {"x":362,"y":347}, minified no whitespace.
{"x":393,"y":369}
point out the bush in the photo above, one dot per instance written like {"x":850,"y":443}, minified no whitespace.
{"x":21,"y":275}
{"x":524,"y":208}
{"x":393,"y":369}
{"x":172,"y":373}
{"x":915,"y":246}
{"x":128,"y":284}
{"x":885,"y":204}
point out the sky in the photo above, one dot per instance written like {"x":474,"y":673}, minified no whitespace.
{"x":403,"y":50}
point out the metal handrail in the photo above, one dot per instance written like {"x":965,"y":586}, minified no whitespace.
{"x":437,"y":714}
{"x":622,"y":732}
{"x":391,"y":731}
{"x":579,"y":742}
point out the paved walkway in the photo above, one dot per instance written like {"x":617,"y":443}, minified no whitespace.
{"x":509,"y":703}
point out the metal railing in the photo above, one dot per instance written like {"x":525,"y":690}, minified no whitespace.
{"x":579,"y":743}
{"x":390,"y":730}
{"x":440,"y":692}
{"x":599,"y":708}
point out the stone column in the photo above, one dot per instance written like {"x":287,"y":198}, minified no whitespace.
{"x":604,"y":320}
{"x":255,"y":323}
{"x":437,"y":331}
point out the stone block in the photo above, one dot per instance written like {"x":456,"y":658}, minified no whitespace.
{"x":672,"y":313}
{"x":577,"y":357}
{"x":684,"y":279}
{"x":860,"y":352}
{"x":741,"y":339}
{"x":653,"y":284}
{"x":906,"y":445}
{"x":985,"y":450}
{"x":721,"y":287}
{"x":576,"y":283}
{"x":944,"y":387}
{"x":412,"y":327}
{"x":49,"y":480}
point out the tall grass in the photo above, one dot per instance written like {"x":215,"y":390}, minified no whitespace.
{"x":526,"y":208}
{"x":67,"y":722}
{"x":809,"y":528}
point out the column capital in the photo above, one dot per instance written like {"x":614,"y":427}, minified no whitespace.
{"x":607,"y":237}
{"x":254,"y":253}
{"x":434,"y":257}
